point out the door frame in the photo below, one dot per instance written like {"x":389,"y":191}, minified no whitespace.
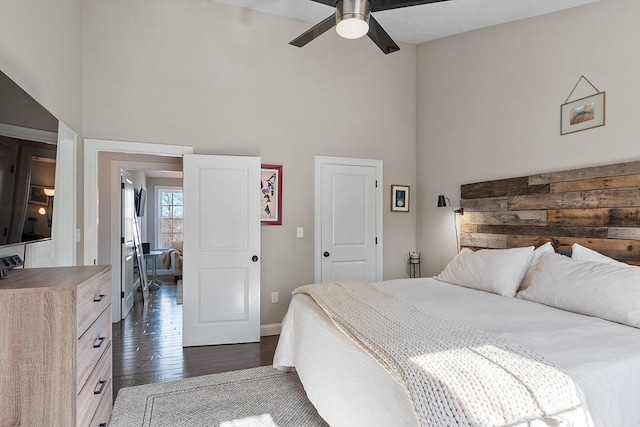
{"x":346,"y":161}
{"x":92,"y":147}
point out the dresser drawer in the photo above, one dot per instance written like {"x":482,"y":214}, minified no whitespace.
{"x":91,"y":346}
{"x":103,"y":413}
{"x":94,"y":296}
{"x":98,"y":385}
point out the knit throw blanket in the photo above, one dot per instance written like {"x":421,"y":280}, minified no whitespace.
{"x":455,"y":375}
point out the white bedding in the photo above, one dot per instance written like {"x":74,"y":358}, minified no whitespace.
{"x":349,"y":388}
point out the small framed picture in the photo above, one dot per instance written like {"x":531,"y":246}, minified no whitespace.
{"x":37,"y":195}
{"x":582,"y":114}
{"x":400,"y":198}
{"x":271,"y":194}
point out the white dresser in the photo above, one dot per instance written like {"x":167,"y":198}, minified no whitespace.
{"x":55,"y":347}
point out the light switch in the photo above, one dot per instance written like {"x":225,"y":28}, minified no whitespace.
{"x":300,"y":232}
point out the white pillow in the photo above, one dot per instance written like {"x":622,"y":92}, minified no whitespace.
{"x":597,"y":289}
{"x":493,"y":270}
{"x":546,"y":248}
{"x":580,"y":253}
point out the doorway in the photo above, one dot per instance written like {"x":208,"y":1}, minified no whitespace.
{"x":204,"y":170}
{"x":348,"y":219}
{"x":92,"y":183}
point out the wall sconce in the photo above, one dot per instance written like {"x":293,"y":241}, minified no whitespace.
{"x":443,"y":202}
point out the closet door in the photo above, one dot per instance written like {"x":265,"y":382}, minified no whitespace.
{"x":221,"y":267}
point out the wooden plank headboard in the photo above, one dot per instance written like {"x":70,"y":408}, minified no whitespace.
{"x":597,"y":207}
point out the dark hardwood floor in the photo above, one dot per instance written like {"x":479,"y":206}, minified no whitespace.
{"x":147,"y":346}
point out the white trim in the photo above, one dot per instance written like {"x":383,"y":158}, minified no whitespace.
{"x":91,"y":149}
{"x":270,"y":329}
{"x":378,"y":165}
{"x":29,"y":134}
{"x":91,"y":174}
{"x":66,"y":200}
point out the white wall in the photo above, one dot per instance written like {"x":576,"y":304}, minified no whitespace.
{"x":489,"y":105}
{"x":41,"y":50}
{"x":225,"y":81}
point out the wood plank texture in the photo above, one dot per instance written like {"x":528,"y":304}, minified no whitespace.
{"x":597,"y":207}
{"x":599,"y":217}
{"x":614,"y":198}
{"x":618,"y":169}
{"x":627,"y":181}
{"x":538,"y":217}
{"x":502,"y":187}
{"x":147,"y":346}
{"x":484,"y":205}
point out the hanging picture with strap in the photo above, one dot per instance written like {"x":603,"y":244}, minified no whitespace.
{"x":584,"y":113}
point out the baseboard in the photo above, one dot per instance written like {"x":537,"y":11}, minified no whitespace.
{"x":270,"y":329}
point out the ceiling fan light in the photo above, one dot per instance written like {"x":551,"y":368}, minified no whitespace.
{"x":352,"y":18}
{"x":352,"y":28}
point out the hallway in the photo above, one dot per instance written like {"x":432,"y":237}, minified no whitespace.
{"x":147,"y":346}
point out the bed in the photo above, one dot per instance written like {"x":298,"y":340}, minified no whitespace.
{"x":597,"y":350}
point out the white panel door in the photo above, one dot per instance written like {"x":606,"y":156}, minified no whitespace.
{"x":348,"y":222}
{"x":126,"y":243}
{"x":221,"y":267}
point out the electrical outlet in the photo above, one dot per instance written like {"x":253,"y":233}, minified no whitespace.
{"x":300,"y":232}
{"x":274,"y":297}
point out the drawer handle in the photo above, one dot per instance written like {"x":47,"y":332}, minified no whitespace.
{"x":102,"y":425}
{"x":99,"y":342}
{"x":101,"y":385}
{"x":99,"y":298}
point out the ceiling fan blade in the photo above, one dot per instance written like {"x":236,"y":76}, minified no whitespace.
{"x":314,"y":31}
{"x":331,"y":3}
{"x":378,"y":5}
{"x":380,"y":37}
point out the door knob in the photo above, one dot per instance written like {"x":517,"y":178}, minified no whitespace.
{"x":254,"y":258}
{"x":326,"y":254}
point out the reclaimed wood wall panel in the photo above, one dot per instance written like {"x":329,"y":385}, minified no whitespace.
{"x":619,"y":169}
{"x":612,"y":217}
{"x":597,"y":207}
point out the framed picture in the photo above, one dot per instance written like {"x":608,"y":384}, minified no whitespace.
{"x":400,"y":198}
{"x":37,"y":196}
{"x":582,"y":114}
{"x":271,"y":193}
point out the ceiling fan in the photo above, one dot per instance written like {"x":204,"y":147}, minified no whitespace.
{"x":353,"y":20}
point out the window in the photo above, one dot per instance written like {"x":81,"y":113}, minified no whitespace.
{"x":170,"y":215}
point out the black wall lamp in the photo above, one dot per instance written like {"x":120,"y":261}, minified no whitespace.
{"x":443,"y":202}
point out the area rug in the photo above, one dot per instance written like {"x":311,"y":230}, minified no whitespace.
{"x":179,"y":293}
{"x":261,"y":396}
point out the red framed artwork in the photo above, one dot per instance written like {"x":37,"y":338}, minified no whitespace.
{"x":271,"y":194}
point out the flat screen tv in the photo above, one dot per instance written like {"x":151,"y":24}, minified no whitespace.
{"x":28,"y":135}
